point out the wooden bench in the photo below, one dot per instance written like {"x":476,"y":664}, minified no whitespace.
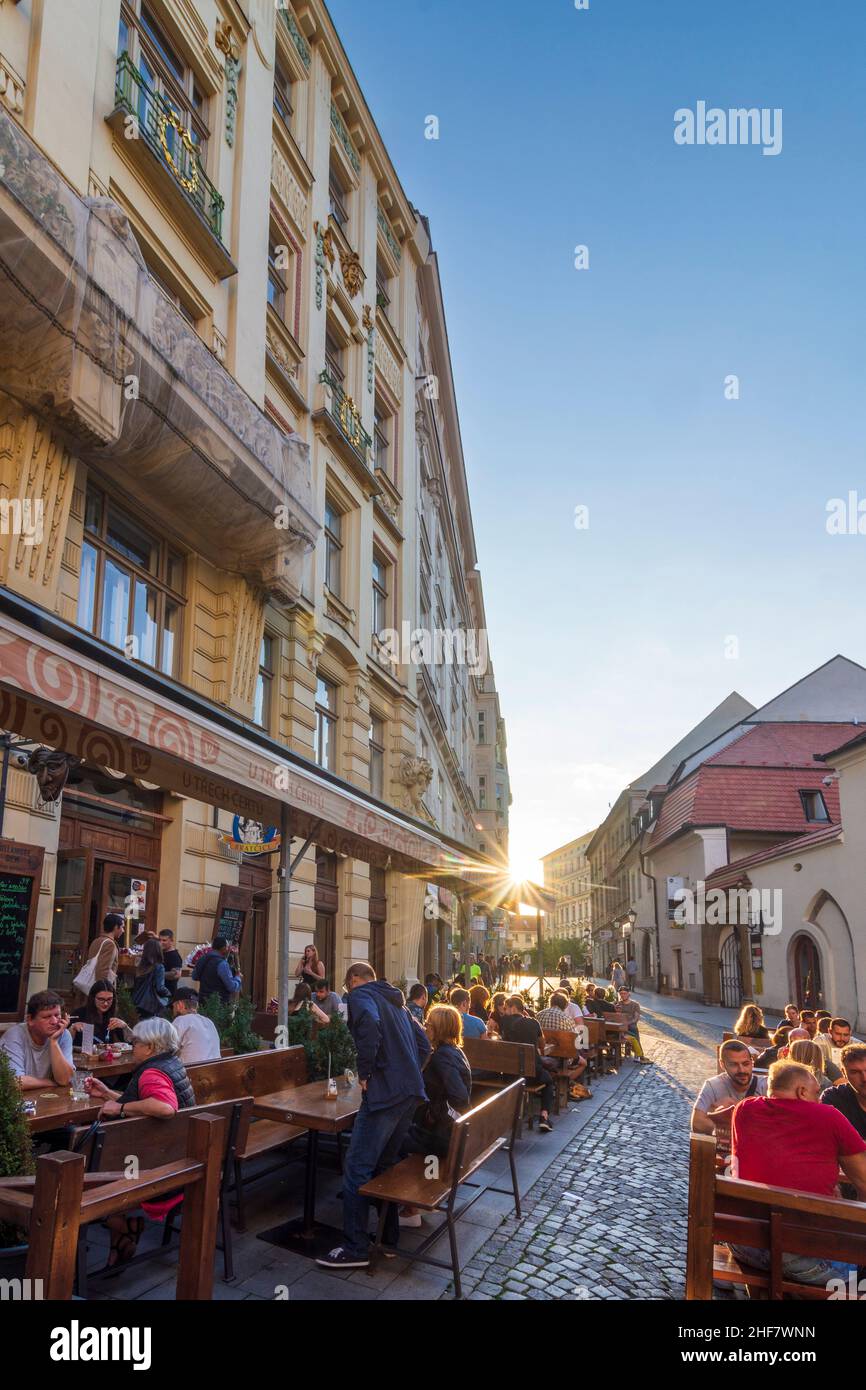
{"x":62,"y":1198}
{"x":779,"y":1220}
{"x":475,"y":1137}
{"x":507,"y":1060}
{"x":562,"y":1045}
{"x":109,"y":1145}
{"x":265,"y":1025}
{"x":252,"y":1074}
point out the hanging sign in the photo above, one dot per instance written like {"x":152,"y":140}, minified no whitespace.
{"x":251,"y":837}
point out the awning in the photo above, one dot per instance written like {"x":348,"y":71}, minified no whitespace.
{"x":60,"y":688}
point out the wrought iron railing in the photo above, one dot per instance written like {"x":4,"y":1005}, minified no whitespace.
{"x":347,"y":417}
{"x":162,"y":129}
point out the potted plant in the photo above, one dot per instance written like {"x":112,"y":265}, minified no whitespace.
{"x":16,"y":1160}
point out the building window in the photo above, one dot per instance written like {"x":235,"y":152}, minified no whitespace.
{"x":380,"y":593}
{"x":482,"y":793}
{"x":333,"y":548}
{"x":163,"y":70}
{"x":383,"y":430}
{"x":325,"y":748}
{"x":283,"y":104}
{"x":482,"y":726}
{"x":131,"y":585}
{"x":814,"y":806}
{"x":277,"y":288}
{"x":377,"y":755}
{"x":335,"y":359}
{"x":263,"y":702}
{"x":337,"y":200}
{"x":383,"y":286}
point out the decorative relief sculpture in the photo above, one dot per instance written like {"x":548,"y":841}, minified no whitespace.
{"x":353,"y":272}
{"x":225,"y":42}
{"x":414,"y":776}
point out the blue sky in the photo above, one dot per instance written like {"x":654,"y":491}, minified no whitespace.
{"x":605,"y":387}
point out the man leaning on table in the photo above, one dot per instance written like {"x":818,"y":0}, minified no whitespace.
{"x":40,"y":1049}
{"x":719,"y":1094}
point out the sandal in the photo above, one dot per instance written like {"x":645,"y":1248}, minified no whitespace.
{"x":125,"y":1243}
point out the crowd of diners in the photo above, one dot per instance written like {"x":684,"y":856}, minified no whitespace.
{"x":411,"y":1064}
{"x":789,"y":1108}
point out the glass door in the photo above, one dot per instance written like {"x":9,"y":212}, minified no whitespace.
{"x":132,"y":893}
{"x":70,"y":920}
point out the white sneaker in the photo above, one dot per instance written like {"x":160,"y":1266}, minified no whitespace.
{"x":413,"y":1220}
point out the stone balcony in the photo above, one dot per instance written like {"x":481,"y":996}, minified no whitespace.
{"x":91,"y":344}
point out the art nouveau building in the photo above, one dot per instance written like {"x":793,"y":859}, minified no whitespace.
{"x":216,"y":300}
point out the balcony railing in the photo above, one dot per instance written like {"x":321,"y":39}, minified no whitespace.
{"x":161,"y":128}
{"x":347,"y":417}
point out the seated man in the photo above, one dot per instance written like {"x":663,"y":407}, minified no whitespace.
{"x":850,"y":1098}
{"x":630,"y":1009}
{"x":786,"y":1139}
{"x":779,"y":1040}
{"x":719,"y":1094}
{"x":556,"y":1018}
{"x":596,"y":1002}
{"x":328,"y":1000}
{"x":199,"y":1039}
{"x":39,"y":1050}
{"x":516,"y":1027}
{"x":473,"y":1026}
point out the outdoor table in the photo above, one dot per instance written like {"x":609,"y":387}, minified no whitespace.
{"x":55,"y":1109}
{"x":94,"y":1063}
{"x":617,"y":1029}
{"x":309,"y":1106}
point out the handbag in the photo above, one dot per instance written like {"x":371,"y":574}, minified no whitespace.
{"x":86,"y":976}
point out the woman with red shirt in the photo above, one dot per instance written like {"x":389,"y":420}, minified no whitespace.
{"x":159,"y":1087}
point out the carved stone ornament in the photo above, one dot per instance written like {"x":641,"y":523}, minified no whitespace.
{"x":367,"y":318}
{"x":353,"y":272}
{"x":414,"y":776}
{"x":51,"y":768}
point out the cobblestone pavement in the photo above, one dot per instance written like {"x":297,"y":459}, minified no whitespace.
{"x":608,"y":1217}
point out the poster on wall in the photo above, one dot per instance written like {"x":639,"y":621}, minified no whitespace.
{"x":249,"y":836}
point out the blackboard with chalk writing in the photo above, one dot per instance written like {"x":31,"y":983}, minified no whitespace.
{"x":231,"y":915}
{"x":20,"y":875}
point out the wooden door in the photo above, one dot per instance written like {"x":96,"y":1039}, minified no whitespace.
{"x":70,"y":920}
{"x":807,"y":968}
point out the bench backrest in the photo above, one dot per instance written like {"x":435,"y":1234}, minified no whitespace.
{"x":759,"y":1043}
{"x":249,"y":1074}
{"x":565,"y":1042}
{"x":769,"y":1218}
{"x":479,"y":1131}
{"x":507,"y":1058}
{"x":153,"y":1141}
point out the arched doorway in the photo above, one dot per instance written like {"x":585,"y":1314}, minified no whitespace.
{"x":730,"y":972}
{"x":807,"y":972}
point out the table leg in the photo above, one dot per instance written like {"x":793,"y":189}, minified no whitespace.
{"x":309,"y":1228}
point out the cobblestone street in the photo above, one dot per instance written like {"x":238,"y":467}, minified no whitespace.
{"x":608,"y":1217}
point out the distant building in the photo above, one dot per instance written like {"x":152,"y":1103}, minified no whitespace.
{"x":567,"y":874}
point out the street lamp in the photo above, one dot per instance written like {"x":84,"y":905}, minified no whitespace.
{"x":628,"y":922}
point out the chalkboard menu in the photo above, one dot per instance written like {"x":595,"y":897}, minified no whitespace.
{"x":20,"y":876}
{"x":231,"y":916}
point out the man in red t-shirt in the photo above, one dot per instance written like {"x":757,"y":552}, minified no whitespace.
{"x":785,"y":1139}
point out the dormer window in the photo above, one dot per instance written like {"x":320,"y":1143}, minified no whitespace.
{"x":814,"y":807}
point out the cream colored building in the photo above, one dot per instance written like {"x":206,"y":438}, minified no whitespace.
{"x":567,"y":874}
{"x":209,"y":378}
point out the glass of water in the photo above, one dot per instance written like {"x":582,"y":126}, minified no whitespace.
{"x":77,"y":1088}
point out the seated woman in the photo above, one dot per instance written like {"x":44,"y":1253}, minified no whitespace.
{"x":100,"y":1010}
{"x":448,"y":1082}
{"x":751,"y":1024}
{"x":159,"y":1087}
{"x":811,"y":1056}
{"x":479,"y":1000}
{"x":302,"y":1002}
{"x":772,"y":1054}
{"x":495,"y":1016}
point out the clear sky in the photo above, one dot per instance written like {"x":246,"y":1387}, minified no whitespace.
{"x":606,"y":387}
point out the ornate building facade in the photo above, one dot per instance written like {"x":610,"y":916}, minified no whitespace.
{"x":221,"y":314}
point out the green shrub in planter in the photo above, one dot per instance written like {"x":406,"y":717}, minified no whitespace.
{"x":124,"y":1006}
{"x":233,"y":1022}
{"x":16,"y":1146}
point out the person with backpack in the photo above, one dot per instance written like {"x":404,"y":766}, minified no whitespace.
{"x":391,"y":1049}
{"x":215,"y":975}
{"x":150,"y":995}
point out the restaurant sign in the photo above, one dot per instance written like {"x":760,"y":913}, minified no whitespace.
{"x":249,"y":836}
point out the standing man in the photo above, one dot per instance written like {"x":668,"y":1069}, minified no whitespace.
{"x":40,"y":1048}
{"x":631,"y":971}
{"x":171,"y":959}
{"x":106,"y":947}
{"x":215,"y":975}
{"x":391,"y":1049}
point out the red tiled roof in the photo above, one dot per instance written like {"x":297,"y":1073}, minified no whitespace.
{"x":784,"y":745}
{"x":730,"y":874}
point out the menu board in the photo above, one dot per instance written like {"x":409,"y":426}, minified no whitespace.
{"x":20,"y":876}
{"x":231,"y":916}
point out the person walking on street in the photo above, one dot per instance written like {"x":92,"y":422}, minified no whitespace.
{"x":391,"y":1050}
{"x":617,"y":975}
{"x":631,"y":972}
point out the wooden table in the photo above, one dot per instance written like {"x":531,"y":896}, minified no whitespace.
{"x":308,"y":1105}
{"x":618,"y":1030}
{"x":60,"y":1110}
{"x":97,"y":1066}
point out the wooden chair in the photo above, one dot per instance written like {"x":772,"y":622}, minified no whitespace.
{"x":507,"y":1060}
{"x":108,"y":1146}
{"x":779,"y":1220}
{"x":475,"y":1137}
{"x":252,"y":1074}
{"x":62,"y":1198}
{"x":562,"y":1045}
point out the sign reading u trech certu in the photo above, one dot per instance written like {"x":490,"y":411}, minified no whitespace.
{"x":251,"y":837}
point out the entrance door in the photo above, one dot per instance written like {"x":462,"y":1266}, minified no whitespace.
{"x":807,"y":973}
{"x":70,"y":920}
{"x":131,"y":892}
{"x":254,"y":943}
{"x":730,"y":973}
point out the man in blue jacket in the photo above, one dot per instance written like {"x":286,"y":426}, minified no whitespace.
{"x":391,"y":1049}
